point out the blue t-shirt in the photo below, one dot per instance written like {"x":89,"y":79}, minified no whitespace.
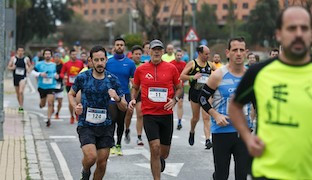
{"x":94,"y":95}
{"x":49,"y":68}
{"x":145,"y":58}
{"x":122,"y":68}
{"x":221,"y":99}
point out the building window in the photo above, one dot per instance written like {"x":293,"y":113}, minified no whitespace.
{"x":119,"y":11}
{"x":165,"y":19}
{"x":245,"y":17}
{"x":111,"y":11}
{"x":120,"y":1}
{"x":128,"y":10}
{"x":86,"y":12}
{"x":185,"y":8}
{"x":166,"y":9}
{"x":215,"y":6}
{"x":94,"y":11}
{"x":94,"y":1}
{"x":102,"y":11}
{"x":86,"y":1}
{"x":111,"y":0}
{"x":245,"y":5}
{"x":225,"y":6}
{"x":102,"y":1}
{"x":235,"y":6}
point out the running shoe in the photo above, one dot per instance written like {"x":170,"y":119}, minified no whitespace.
{"x":127,"y":136}
{"x":191,"y":138}
{"x":21,"y":110}
{"x":113,"y":150}
{"x":140,"y":142}
{"x":48,"y":123}
{"x":72,"y":120}
{"x":179,"y":126}
{"x":162,"y":164}
{"x":208,"y":144}
{"x":57,"y":116}
{"x":85,"y":175}
{"x":118,"y":150}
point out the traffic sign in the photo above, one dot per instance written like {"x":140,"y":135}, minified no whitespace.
{"x":191,"y":36}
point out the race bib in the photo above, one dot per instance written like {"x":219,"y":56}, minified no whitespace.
{"x":72,"y":79}
{"x":47,"y":80}
{"x":158,"y":94}
{"x":96,"y":116}
{"x":203,"y":79}
{"x":58,"y":85}
{"x":245,"y":108}
{"x":19,"y":71}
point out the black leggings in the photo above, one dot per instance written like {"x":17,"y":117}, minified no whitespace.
{"x":119,"y":118}
{"x":225,"y":144}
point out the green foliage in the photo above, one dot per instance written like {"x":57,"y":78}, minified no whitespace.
{"x":38,"y":18}
{"x":261,"y":22}
{"x":133,"y":39}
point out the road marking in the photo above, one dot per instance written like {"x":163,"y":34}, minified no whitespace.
{"x":62,"y":137}
{"x":172,"y":169}
{"x":175,"y":137}
{"x":31,"y":86}
{"x":62,"y":161}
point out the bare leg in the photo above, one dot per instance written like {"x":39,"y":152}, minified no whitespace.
{"x":89,"y":156}
{"x":139,"y":123}
{"x":50,"y":98}
{"x":195,"y":118}
{"x":102,"y":156}
{"x":155,"y":158}
{"x":22,"y":85}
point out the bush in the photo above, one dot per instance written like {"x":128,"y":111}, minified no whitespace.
{"x":133,"y":39}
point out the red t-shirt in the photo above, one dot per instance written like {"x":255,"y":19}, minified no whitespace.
{"x":72,"y":69}
{"x":179,"y":65}
{"x":157,"y":85}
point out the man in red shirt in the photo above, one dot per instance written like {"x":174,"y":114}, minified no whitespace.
{"x":71,"y":69}
{"x":160,"y":89}
{"x":179,"y":64}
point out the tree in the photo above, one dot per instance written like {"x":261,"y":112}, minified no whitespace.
{"x":261,"y":22}
{"x":38,"y":18}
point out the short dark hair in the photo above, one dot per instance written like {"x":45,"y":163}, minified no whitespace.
{"x":97,"y":49}
{"x":84,"y":53}
{"x":279,"y":20}
{"x":200,"y":49}
{"x":178,"y":50}
{"x":47,"y":49}
{"x":20,"y":46}
{"x":257,"y":57}
{"x":274,"y":50}
{"x":119,"y":39}
{"x":239,"y":39}
{"x":136,"y":47}
{"x":249,"y":54}
{"x":145,"y":43}
{"x":72,"y":50}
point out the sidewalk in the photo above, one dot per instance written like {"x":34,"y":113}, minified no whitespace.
{"x":12,"y":148}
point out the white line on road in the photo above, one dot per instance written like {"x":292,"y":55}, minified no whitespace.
{"x":62,"y":137}
{"x":31,"y":86}
{"x":62,"y":161}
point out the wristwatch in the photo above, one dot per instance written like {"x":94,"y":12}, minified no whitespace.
{"x":176,"y":99}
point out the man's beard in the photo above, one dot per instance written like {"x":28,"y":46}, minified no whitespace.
{"x":294,"y":54}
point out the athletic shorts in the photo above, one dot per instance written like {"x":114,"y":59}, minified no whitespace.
{"x":59,"y":95}
{"x":194,"y":95}
{"x":17,"y":79}
{"x":159,"y":127}
{"x":100,"y":136}
{"x":68,"y":88}
{"x":44,"y":92}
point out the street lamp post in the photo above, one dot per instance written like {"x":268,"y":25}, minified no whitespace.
{"x":135,"y":16}
{"x":193,"y":3}
{"x":110,"y":31}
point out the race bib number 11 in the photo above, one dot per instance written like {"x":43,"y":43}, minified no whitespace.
{"x":158,"y":94}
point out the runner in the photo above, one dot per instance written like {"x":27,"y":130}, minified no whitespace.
{"x":95,"y":126}
{"x":136,"y":57}
{"x":145,"y":56}
{"x":217,"y":60}
{"x":123,"y":68}
{"x":278,"y":87}
{"x":69,"y":72}
{"x":160,"y":88}
{"x":221,"y":85}
{"x":179,"y":64}
{"x":46,"y":73}
{"x":169,"y":56}
{"x":58,"y":93}
{"x":20,"y":65}
{"x":197,"y":72}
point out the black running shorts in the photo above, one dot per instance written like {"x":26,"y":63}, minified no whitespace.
{"x":159,"y":127}
{"x":194,"y":95}
{"x":100,"y":136}
{"x":44,"y":92}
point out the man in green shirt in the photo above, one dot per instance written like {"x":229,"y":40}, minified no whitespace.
{"x":281,"y":91}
